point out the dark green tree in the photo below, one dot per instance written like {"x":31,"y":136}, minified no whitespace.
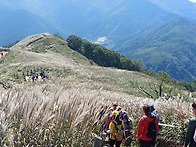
{"x":88,"y":50}
{"x":75,"y":43}
{"x":101,"y":55}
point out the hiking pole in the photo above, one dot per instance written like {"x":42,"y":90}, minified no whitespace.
{"x":166,"y":125}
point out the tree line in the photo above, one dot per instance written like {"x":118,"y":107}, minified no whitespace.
{"x":101,"y":55}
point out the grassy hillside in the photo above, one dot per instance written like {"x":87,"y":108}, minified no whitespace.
{"x":62,"y":64}
{"x":62,"y":110}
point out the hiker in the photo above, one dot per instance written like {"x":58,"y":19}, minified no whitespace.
{"x":110,"y":117}
{"x":36,"y":76}
{"x":143,"y":127}
{"x":32,"y":75}
{"x":42,"y":74}
{"x":116,"y":130}
{"x":33,"y":78}
{"x":32,"y":72}
{"x":152,"y":110}
{"x":123,"y":115}
{"x":115,"y":104}
{"x":189,"y":141}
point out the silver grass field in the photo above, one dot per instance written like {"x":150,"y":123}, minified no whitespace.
{"x":40,"y":117}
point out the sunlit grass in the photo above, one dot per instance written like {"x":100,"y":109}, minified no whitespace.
{"x":38,"y":116}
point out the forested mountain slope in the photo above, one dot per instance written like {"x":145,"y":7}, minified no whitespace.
{"x":171,"y":48}
{"x":116,"y":20}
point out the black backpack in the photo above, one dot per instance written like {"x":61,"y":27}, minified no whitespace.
{"x":119,"y":131}
{"x":151,"y":133}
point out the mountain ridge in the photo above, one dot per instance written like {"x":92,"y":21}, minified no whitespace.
{"x":183,"y":8}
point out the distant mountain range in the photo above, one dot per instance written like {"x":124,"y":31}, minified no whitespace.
{"x":171,"y":48}
{"x":183,"y":8}
{"x":122,"y":24}
{"x":117,"y":20}
{"x":17,"y":24}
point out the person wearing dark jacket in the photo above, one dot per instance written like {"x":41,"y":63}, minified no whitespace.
{"x":142,"y":128}
{"x":191,"y":130}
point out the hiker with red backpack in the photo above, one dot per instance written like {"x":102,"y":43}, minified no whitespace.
{"x":110,"y":116}
{"x":116,"y":130}
{"x":115,"y":105}
{"x":147,"y":128}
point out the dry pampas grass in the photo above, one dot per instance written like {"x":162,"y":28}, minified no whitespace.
{"x":39,"y":116}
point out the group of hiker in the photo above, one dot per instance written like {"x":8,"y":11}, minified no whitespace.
{"x":35,"y":76}
{"x":119,"y":127}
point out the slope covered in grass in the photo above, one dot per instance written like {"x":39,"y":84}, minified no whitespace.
{"x":62,"y":110}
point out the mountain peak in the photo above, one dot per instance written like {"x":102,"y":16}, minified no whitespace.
{"x":26,"y":42}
